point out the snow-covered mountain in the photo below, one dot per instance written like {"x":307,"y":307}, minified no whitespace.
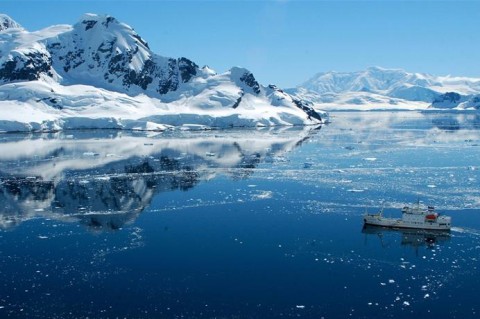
{"x":388,"y":88}
{"x":7,"y":23}
{"x":100,"y":73}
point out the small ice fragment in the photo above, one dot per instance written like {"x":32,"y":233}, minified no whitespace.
{"x":426,"y":296}
{"x":42,"y":237}
{"x":300,"y":306}
{"x":406,"y":303}
{"x":431,"y":186}
{"x":356,"y":190}
{"x":263,"y":195}
{"x":391,"y":281}
{"x":370,"y":159}
{"x":90,"y":154}
{"x":383,"y":284}
{"x":369,"y":303}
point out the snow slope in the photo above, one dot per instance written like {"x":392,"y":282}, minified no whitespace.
{"x":377,"y":87}
{"x":99,"y":73}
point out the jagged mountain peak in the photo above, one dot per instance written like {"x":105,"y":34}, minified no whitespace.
{"x":91,"y":23}
{"x":245,"y":79}
{"x":8,"y":23}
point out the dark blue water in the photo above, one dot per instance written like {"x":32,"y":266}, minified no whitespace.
{"x":241,"y":223}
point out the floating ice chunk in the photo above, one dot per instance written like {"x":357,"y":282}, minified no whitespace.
{"x":426,"y":296}
{"x":391,"y":281}
{"x":90,"y":154}
{"x":300,"y":306}
{"x":263,"y":195}
{"x":42,"y":237}
{"x":370,"y":159}
{"x":354,"y":190}
{"x":406,"y":303}
{"x":431,"y":186}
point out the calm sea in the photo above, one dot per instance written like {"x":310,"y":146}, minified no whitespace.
{"x":245,"y":223}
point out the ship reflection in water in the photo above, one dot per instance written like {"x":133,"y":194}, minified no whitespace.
{"x":409,"y":237}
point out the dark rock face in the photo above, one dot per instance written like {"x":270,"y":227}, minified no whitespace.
{"x":450,"y":97}
{"x":89,"y":24}
{"x":169,"y":78}
{"x":250,"y":81}
{"x":26,"y":68}
{"x":307,"y":109}
{"x":187,"y":68}
{"x":237,"y":102}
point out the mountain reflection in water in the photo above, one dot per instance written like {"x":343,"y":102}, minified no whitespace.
{"x":105,"y":180}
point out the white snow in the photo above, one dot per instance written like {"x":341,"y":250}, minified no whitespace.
{"x":379,"y":88}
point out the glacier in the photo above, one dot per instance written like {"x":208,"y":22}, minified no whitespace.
{"x":390,"y":89}
{"x":100,"y":74}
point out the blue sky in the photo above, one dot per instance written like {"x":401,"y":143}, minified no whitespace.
{"x":286,"y":42}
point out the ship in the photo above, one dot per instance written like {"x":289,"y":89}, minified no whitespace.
{"x":412,"y":217}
